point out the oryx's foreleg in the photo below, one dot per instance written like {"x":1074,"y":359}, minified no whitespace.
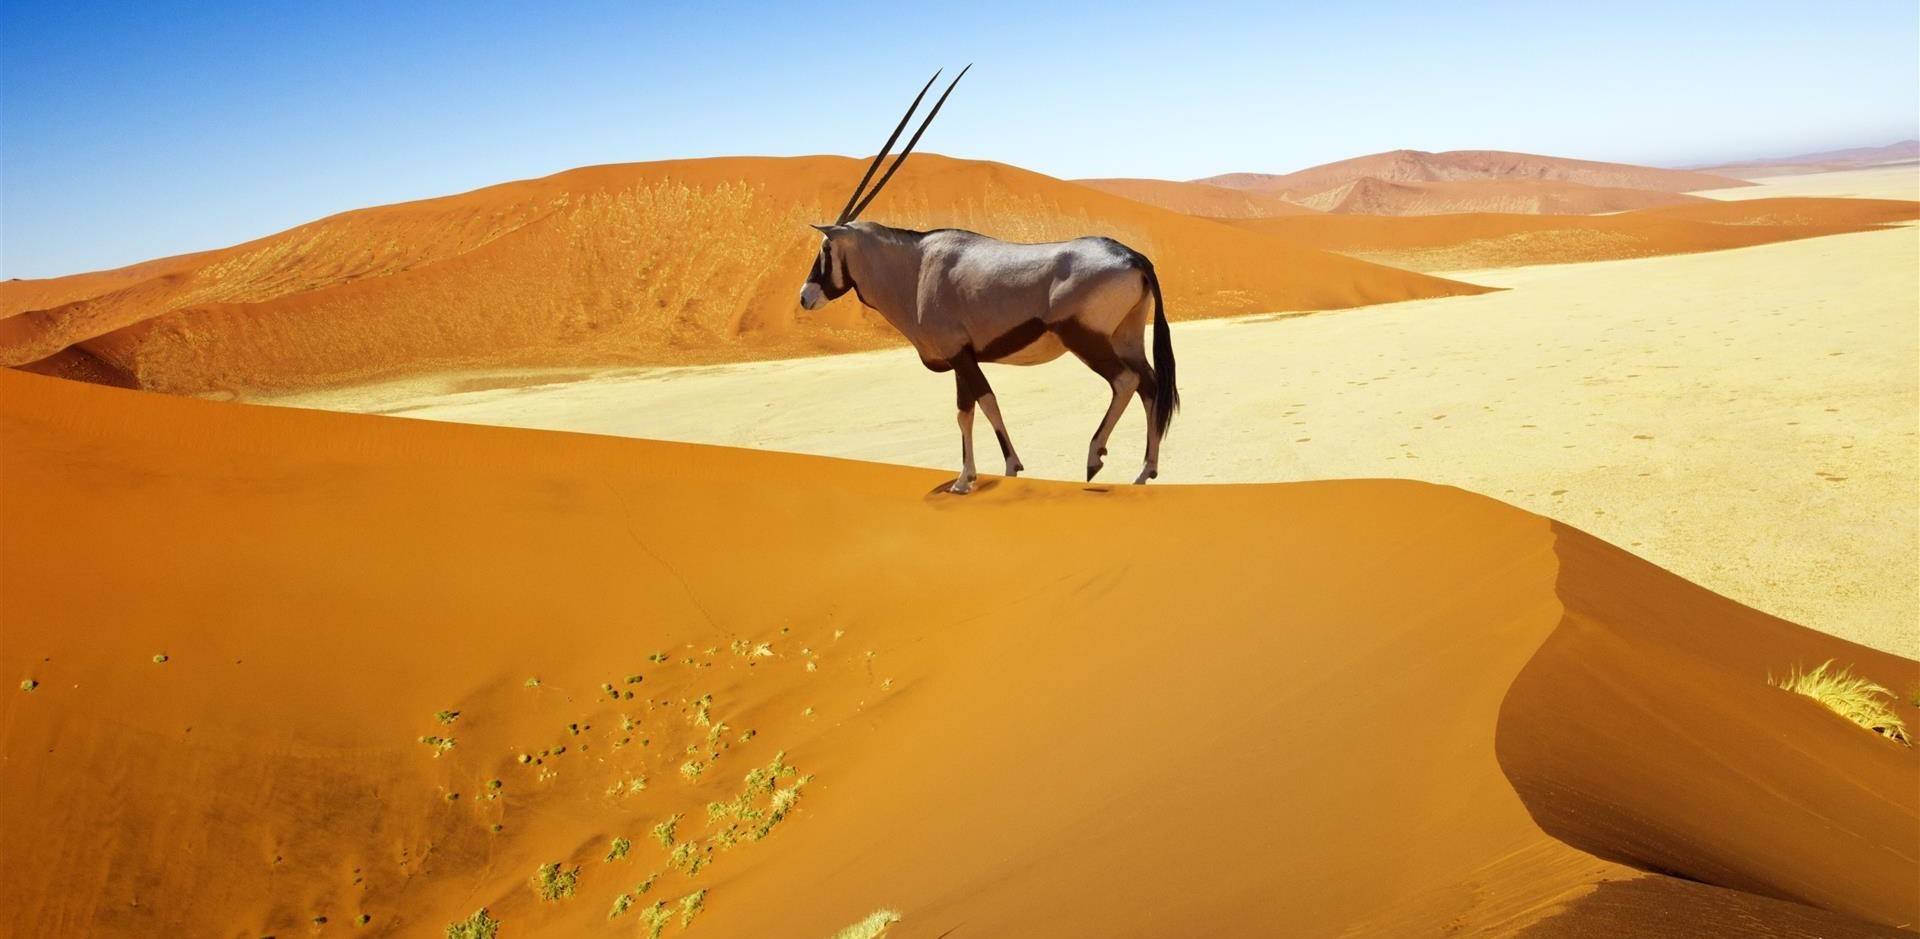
{"x":964,"y":398}
{"x":968,"y":370}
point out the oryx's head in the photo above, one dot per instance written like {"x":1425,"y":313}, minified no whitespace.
{"x":831,"y":276}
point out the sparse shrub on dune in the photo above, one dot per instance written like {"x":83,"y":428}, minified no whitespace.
{"x":688,"y":857}
{"x":620,"y":905}
{"x":29,"y":684}
{"x":1857,"y":699}
{"x":553,"y":883}
{"x":876,"y":923}
{"x":618,"y":849}
{"x":664,"y":832}
{"x":691,"y":905}
{"x":745,"y":817}
{"x":478,"y":926}
{"x":438,"y":743}
{"x":657,"y":917}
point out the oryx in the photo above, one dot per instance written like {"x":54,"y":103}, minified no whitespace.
{"x":963,"y":298}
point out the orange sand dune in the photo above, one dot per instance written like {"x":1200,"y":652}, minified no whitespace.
{"x":676,"y":262}
{"x":1346,"y":708}
{"x":1481,"y":240}
{"x":1370,"y":196}
{"x":1198,"y":198}
{"x":1419,"y":166}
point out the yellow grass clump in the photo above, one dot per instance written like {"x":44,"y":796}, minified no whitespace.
{"x":876,"y":924}
{"x":1857,"y":699}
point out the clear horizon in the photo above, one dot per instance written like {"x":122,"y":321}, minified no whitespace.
{"x":127,"y":135}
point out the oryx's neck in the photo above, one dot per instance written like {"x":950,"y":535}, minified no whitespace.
{"x":885,"y":265}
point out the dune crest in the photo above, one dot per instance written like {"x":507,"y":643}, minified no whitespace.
{"x":1215,"y":723}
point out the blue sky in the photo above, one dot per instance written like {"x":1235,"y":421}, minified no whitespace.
{"x":132,"y":131}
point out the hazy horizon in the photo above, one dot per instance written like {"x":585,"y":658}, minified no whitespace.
{"x":127,"y":135}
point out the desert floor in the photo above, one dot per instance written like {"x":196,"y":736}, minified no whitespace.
{"x":1899,"y":181}
{"x":1744,"y":418}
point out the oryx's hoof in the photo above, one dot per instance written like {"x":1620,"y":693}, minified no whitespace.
{"x":1145,"y":474}
{"x":961,"y":487}
{"x":1013,"y":469}
{"x":1093,"y":469}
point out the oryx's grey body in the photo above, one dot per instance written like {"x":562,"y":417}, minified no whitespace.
{"x":963,"y":299}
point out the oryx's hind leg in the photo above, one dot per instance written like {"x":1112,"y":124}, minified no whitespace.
{"x":1150,"y":397}
{"x":1098,"y":353}
{"x":968,"y":371}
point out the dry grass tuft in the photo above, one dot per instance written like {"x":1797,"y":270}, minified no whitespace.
{"x":1857,"y":699}
{"x":876,"y":923}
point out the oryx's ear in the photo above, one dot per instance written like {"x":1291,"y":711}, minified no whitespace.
{"x":829,"y":230}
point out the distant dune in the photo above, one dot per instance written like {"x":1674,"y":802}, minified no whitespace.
{"x":284,"y":669}
{"x":1825,"y":161}
{"x":1370,"y":196}
{"x":1198,"y":198}
{"x":1419,"y":166}
{"x":677,"y":262}
{"x":1479,"y":240}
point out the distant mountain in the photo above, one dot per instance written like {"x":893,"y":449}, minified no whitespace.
{"x":1904,"y":151}
{"x":1419,"y":166}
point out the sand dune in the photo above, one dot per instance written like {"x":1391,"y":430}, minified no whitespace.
{"x":686,"y":261}
{"x":1216,"y":723}
{"x":1483,"y":239}
{"x":1197,"y":198}
{"x":1418,"y":166}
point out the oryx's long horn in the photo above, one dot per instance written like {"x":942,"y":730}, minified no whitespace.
{"x":902,"y":158}
{"x":847,"y":211}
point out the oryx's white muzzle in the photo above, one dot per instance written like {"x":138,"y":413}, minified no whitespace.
{"x":812,"y":297}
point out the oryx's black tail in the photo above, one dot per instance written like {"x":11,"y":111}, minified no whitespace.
{"x":1168,"y":399}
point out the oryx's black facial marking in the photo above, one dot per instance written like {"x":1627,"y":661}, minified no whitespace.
{"x":830,"y":271}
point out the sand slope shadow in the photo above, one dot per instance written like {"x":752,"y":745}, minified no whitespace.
{"x":1644,"y":731}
